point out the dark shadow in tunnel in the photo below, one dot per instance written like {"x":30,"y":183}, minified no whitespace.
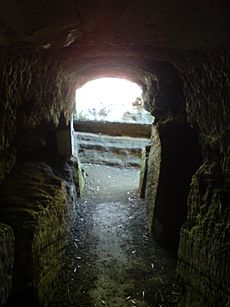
{"x":181,"y":157}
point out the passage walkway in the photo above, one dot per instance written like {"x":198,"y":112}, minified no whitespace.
{"x":111,"y":259}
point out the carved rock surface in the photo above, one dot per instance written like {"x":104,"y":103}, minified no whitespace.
{"x":62,"y":24}
{"x":34,"y":93}
{"x":6,"y":262}
{"x":203,"y":255}
{"x":35,"y":204}
{"x":174,"y":157}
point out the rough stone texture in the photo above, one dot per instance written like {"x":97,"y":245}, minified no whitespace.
{"x":79,"y":176}
{"x":34,"y":94}
{"x":174,"y":157}
{"x":206,"y":89}
{"x":169,"y":170}
{"x":163,"y":94}
{"x":152,"y":23}
{"x":203,"y":256}
{"x":35,"y":204}
{"x":144,"y":170}
{"x":6,"y":262}
{"x":153,"y":174}
{"x":72,"y":172}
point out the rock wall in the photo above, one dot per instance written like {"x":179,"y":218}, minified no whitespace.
{"x":35,"y":91}
{"x":174,"y":157}
{"x":163,"y":94}
{"x":34,"y":202}
{"x":37,"y":97}
{"x":200,"y":204}
{"x":144,"y":170}
{"x":6,"y":262}
{"x":153,"y":174}
{"x":78,"y":176}
{"x":203,"y":255}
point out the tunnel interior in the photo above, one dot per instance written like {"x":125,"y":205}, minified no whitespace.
{"x":179,"y":55}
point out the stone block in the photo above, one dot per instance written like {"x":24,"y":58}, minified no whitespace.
{"x":78,"y":176}
{"x":174,"y":158}
{"x":203,"y":255}
{"x":144,"y":170}
{"x":64,"y":142}
{"x":114,"y":128}
{"x":35,"y":204}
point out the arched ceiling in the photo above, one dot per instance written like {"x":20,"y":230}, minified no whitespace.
{"x":119,"y":35}
{"x":179,"y":24}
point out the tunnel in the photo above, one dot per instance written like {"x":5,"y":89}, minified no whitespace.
{"x":176,"y":208}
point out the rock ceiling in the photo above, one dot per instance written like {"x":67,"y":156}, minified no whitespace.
{"x":116,"y":32}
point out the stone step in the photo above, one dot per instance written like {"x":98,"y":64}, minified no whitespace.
{"x":135,"y":130}
{"x":110,"y":150}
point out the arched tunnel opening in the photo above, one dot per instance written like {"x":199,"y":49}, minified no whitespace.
{"x":111,"y":123}
{"x":113,"y":229}
{"x":153,"y":231}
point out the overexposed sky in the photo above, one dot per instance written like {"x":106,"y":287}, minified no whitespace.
{"x":107,"y":91}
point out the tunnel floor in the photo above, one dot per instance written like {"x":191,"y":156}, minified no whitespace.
{"x":111,"y":259}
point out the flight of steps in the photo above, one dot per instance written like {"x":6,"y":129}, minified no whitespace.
{"x":111,"y":150}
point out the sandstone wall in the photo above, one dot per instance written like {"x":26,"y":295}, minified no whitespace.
{"x":177,"y":154}
{"x":174,"y":157}
{"x":34,"y":202}
{"x":203,"y":255}
{"x":34,"y":92}
{"x":6,"y":262}
{"x":153,"y":174}
{"x":37,"y":96}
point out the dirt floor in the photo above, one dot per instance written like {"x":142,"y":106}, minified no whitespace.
{"x":111,"y":259}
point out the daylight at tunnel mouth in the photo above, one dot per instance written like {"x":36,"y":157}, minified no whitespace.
{"x":98,"y":208}
{"x":108,"y":99}
{"x":111,"y":122}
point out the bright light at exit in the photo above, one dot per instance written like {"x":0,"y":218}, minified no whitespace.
{"x":111,"y":97}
